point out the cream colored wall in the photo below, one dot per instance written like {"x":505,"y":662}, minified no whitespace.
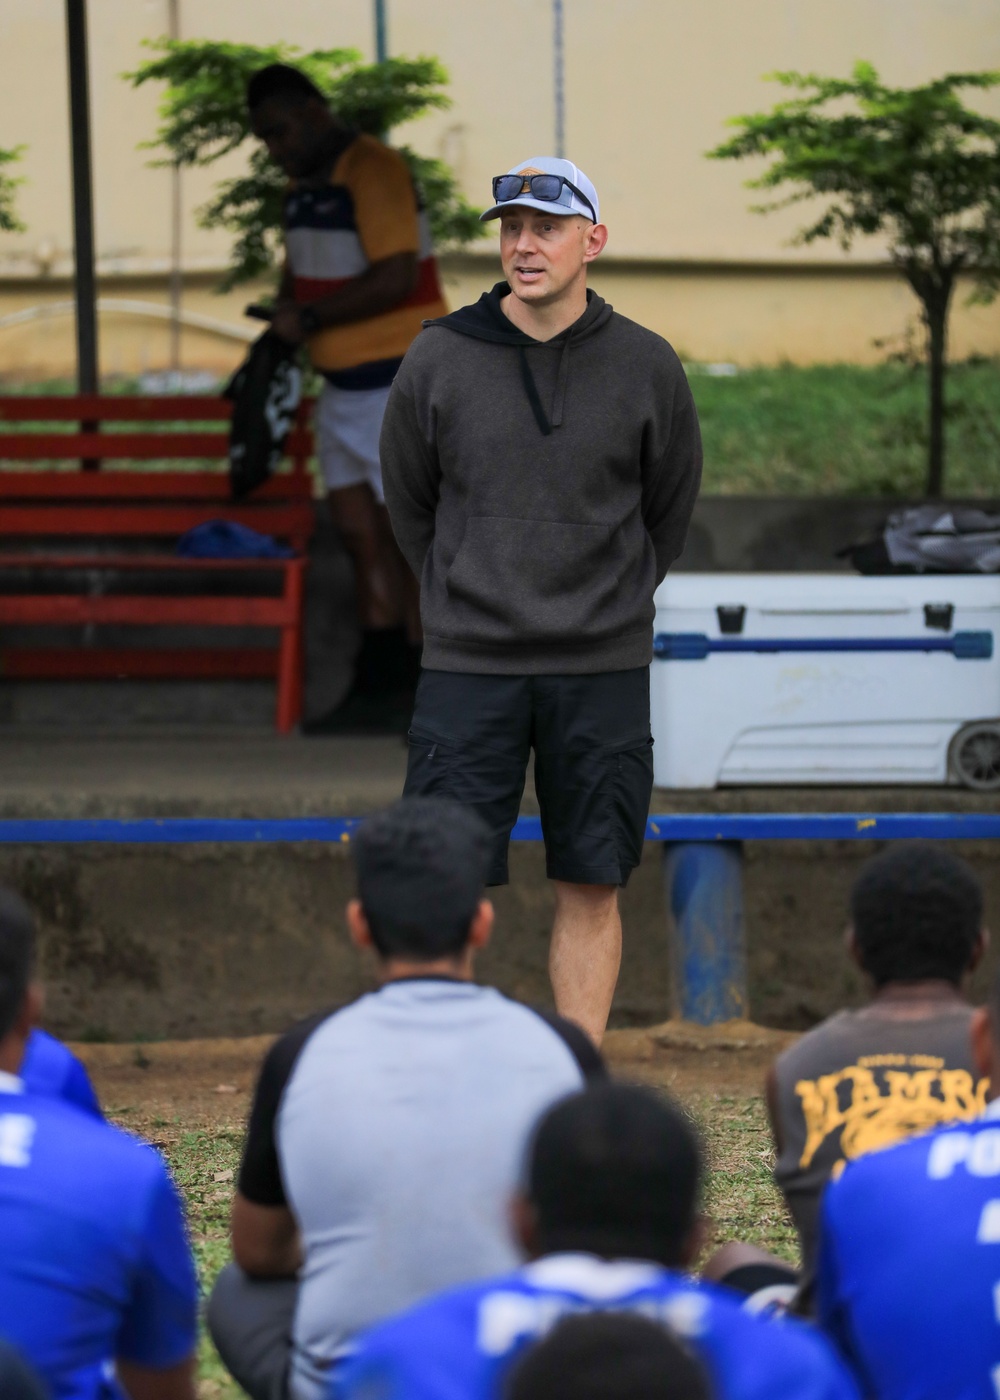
{"x":649,"y":85}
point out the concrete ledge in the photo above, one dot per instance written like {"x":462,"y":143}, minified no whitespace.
{"x":145,"y":942}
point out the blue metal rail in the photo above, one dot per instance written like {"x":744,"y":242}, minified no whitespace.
{"x":783,"y":826}
{"x":696,"y":646}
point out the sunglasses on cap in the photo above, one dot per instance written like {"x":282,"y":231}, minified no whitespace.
{"x":544,"y":187}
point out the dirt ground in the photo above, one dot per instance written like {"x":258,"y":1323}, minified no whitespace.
{"x":208,"y":1083}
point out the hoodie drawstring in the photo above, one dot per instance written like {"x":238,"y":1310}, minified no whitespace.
{"x":531,"y":389}
{"x":562,"y":379}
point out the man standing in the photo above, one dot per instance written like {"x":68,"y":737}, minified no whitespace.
{"x":359,"y":276}
{"x":541,"y":458}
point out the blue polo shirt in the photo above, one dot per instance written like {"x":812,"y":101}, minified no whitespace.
{"x":49,"y":1067}
{"x":460,"y":1345}
{"x":909,"y":1265}
{"x":94,"y":1260}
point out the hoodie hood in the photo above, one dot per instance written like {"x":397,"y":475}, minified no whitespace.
{"x":485,"y":320}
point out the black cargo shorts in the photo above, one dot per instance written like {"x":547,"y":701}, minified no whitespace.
{"x":471,"y":739}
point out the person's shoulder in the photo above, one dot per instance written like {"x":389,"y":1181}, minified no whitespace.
{"x":90,"y":1149}
{"x":50,"y":1067}
{"x":367,"y":154}
{"x":285,"y":1054}
{"x":816,"y":1037}
{"x":588,"y":1058}
{"x":650,"y":344}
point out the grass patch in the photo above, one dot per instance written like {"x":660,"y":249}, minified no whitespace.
{"x":741,"y":1199}
{"x":846,"y":430}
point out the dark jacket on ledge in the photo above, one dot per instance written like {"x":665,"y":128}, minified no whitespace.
{"x":539,"y":490}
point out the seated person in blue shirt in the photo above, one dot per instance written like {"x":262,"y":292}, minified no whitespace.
{"x":609,"y":1218}
{"x":608,"y":1356}
{"x":97,"y":1284}
{"x":48,"y":1067}
{"x":385,"y":1137}
{"x":909,"y":1254}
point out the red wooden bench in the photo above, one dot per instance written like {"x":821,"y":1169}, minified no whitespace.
{"x":91,"y":526}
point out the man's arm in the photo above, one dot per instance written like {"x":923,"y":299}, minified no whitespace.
{"x":145,"y":1383}
{"x":670,"y":481}
{"x":411,"y":478}
{"x":381,"y":287}
{"x":157,"y":1339}
{"x":266,"y":1241}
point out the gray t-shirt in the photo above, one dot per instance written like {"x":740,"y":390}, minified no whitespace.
{"x":863,"y":1080}
{"x":394,"y":1130}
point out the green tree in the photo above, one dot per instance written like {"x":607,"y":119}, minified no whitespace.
{"x":9,"y":221}
{"x":203,"y":117}
{"x":914,"y":165}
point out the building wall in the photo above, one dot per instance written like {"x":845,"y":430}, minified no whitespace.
{"x":649,"y":85}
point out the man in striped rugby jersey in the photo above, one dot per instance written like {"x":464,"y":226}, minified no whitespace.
{"x":360,"y":276}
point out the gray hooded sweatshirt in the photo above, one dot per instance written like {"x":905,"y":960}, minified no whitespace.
{"x":539,"y":490}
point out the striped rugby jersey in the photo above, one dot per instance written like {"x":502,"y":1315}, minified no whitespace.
{"x":370,"y":210}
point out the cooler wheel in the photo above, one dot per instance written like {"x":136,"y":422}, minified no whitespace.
{"x":974,"y":756}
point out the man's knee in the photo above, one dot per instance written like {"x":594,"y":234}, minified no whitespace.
{"x":250,"y":1321}
{"x":223,"y":1302}
{"x":590,"y":898}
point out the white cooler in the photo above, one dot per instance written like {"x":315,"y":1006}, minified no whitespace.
{"x":826,"y":678}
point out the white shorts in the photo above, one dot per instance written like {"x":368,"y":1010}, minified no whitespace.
{"x":348,"y":422}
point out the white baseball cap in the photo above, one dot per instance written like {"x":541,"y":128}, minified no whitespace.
{"x":569,"y":200}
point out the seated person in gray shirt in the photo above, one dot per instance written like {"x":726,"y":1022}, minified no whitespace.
{"x":899,"y":1065}
{"x":385,"y":1138}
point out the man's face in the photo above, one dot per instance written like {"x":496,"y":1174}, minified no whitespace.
{"x":294,"y":134}
{"x":543,"y":254}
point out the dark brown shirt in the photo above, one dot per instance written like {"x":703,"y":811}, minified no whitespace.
{"x":863,"y":1080}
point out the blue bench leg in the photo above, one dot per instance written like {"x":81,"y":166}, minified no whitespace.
{"x":708,"y":961}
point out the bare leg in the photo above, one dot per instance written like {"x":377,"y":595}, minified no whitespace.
{"x":358,"y":517}
{"x":585,"y":954}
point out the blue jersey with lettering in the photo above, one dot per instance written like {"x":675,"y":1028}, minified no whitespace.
{"x":460,"y":1345}
{"x":50,"y":1067}
{"x":909,"y":1265}
{"x":94,"y":1261}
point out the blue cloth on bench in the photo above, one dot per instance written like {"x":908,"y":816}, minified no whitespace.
{"x":227,"y":539}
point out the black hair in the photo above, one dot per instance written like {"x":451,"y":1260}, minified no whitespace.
{"x":421,"y":868}
{"x":17,"y":956}
{"x":280,"y":82}
{"x":917,"y":913}
{"x":615,"y":1171}
{"x":607,"y":1356}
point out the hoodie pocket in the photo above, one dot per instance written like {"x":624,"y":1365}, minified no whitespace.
{"x":533,"y":580}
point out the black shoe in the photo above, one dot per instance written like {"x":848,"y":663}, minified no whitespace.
{"x":388,"y":713}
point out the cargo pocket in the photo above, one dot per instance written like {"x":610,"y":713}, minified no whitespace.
{"x":428,"y":769}
{"x":632,"y":787}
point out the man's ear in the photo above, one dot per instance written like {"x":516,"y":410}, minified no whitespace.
{"x":481,"y":927}
{"x":853,"y":950}
{"x":596,"y":241}
{"x":357,"y":925}
{"x":983,"y":1048}
{"x":979,"y":949}
{"x":30,"y":1013}
{"x":524,"y":1225}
